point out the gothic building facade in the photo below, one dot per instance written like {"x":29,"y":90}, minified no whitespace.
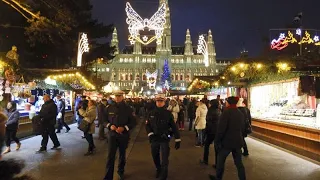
{"x":132,"y":62}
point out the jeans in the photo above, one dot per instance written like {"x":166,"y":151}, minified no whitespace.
{"x":209,"y":140}
{"x":89,"y":138}
{"x":61,"y":123}
{"x":11,"y":135}
{"x":200,"y":137}
{"x":237,"y":158}
{"x":190,"y":123}
{"x":49,"y":132}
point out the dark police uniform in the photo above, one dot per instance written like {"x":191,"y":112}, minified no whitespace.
{"x":160,"y":126}
{"x":119,"y":115}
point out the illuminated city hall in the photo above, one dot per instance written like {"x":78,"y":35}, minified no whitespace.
{"x":133,"y":65}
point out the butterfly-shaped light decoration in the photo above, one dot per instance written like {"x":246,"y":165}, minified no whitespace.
{"x":152,"y":79}
{"x":203,"y":49}
{"x":136,"y":24}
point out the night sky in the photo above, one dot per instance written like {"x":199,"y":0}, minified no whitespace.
{"x":235,"y":23}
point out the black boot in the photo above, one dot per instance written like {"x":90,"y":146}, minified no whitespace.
{"x":121,"y":176}
{"x":158,"y":173}
{"x":42,"y":149}
{"x":203,"y":162}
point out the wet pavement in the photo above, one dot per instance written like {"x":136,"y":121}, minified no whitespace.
{"x":264,"y":162}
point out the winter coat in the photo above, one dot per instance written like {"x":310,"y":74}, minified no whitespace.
{"x":61,"y":105}
{"x":3,"y":119}
{"x":174,"y":110}
{"x":213,"y":117}
{"x":192,"y":110}
{"x":48,"y":113}
{"x":247,"y":117}
{"x":13,"y":120}
{"x":230,"y":129}
{"x":89,"y":115}
{"x":102,"y":113}
{"x":201,"y":114}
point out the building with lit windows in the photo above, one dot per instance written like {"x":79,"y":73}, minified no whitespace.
{"x":132,"y":62}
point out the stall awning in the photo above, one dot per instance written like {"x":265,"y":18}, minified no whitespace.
{"x":72,"y":77}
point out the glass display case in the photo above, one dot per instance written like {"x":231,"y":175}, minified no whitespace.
{"x":31,"y":105}
{"x":282,"y":102}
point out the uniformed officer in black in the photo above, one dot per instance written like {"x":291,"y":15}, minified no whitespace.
{"x":120,"y":121}
{"x":160,"y":126}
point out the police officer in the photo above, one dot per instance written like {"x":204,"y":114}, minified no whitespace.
{"x":120,"y":120}
{"x":160,"y":126}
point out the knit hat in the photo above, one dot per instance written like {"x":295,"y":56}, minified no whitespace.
{"x":232,"y":100}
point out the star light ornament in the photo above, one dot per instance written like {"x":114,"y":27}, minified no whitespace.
{"x":203,"y":49}
{"x":316,"y":38}
{"x":152,"y":79}
{"x":136,"y":24}
{"x":83,"y":46}
{"x":298,"y":32}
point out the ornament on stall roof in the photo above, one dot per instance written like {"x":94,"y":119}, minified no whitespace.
{"x":242,"y":74}
{"x":10,"y":76}
{"x":32,"y":85}
{"x":13,"y":55}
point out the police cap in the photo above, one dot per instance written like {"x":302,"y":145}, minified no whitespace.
{"x":118,"y":93}
{"x":160,"y":97}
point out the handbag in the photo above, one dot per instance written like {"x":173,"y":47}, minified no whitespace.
{"x":84,"y":126}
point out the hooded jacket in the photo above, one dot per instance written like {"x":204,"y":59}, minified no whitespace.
{"x":201,"y":114}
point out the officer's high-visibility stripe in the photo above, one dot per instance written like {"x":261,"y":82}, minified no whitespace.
{"x":177,"y":140}
{"x":108,"y":125}
{"x":150,"y":134}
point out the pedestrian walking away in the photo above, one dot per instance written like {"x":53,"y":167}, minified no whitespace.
{"x":158,"y":125}
{"x":120,"y":120}
{"x":61,"y":105}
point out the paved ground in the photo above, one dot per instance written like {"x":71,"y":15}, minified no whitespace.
{"x":265,"y":162}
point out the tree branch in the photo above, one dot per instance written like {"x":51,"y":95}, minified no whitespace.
{"x":18,"y":10}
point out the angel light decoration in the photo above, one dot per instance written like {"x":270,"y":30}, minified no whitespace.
{"x":152,"y":79}
{"x":136,"y":23}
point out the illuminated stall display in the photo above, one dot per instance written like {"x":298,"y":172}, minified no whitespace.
{"x":283,"y":102}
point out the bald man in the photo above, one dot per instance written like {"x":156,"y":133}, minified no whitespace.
{"x":48,"y":113}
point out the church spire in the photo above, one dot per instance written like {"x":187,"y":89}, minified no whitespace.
{"x":114,"y":41}
{"x":188,"y":44}
{"x":211,"y":48}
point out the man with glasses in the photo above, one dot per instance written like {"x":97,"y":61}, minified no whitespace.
{"x":160,"y":126}
{"x":120,"y":120}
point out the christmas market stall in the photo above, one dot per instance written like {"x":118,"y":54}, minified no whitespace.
{"x":283,"y":101}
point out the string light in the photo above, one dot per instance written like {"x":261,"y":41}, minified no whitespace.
{"x":307,"y":39}
{"x":283,"y":40}
{"x":71,"y":77}
{"x":136,"y":23}
{"x":83,"y":46}
{"x":203,"y":49}
{"x":259,"y":66}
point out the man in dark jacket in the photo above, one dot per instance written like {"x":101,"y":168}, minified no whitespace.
{"x":229,"y":138}
{"x":120,"y":120}
{"x":192,"y":112}
{"x":213,"y":116}
{"x":61,"y":105}
{"x":48,"y":114}
{"x":102,"y":113}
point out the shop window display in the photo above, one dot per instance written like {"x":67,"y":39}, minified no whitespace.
{"x":282,"y":102}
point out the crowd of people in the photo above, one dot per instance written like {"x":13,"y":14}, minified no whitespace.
{"x":223,"y":123}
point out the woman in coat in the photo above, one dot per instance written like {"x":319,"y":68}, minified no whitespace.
{"x":174,"y":109}
{"x":89,"y":115}
{"x":12,"y":125}
{"x":246,"y":112}
{"x":200,"y":122}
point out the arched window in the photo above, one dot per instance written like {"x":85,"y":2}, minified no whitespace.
{"x":144,"y":77}
{"x":181,"y":77}
{"x":131,"y":77}
{"x":172,"y":77}
{"x":137,"y":77}
{"x":177,"y":77}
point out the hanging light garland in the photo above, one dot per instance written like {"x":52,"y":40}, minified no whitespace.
{"x":81,"y":80}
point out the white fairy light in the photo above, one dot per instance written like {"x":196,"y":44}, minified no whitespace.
{"x":136,"y":23}
{"x":316,"y":38}
{"x":83,"y":46}
{"x":298,"y":32}
{"x":203,"y":49}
